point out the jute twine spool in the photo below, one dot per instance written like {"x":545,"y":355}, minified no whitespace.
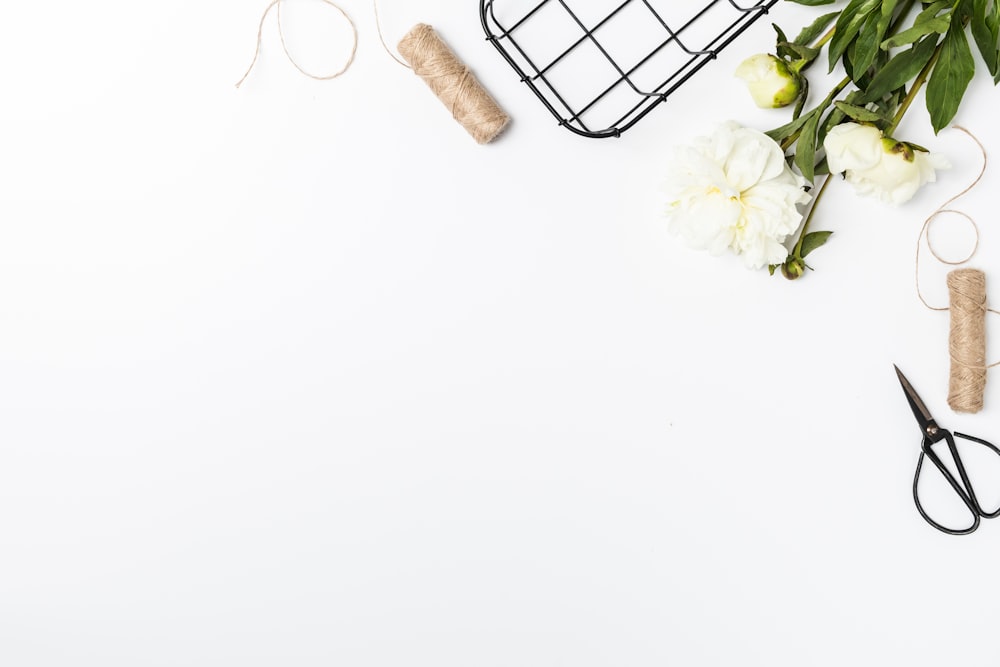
{"x":453,"y":83}
{"x":967,"y":308}
{"x":967,"y":339}
{"x":431,"y":59}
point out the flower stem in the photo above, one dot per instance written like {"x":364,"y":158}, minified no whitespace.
{"x":837,"y":90}
{"x":911,"y":95}
{"x":821,"y":42}
{"x":797,"y":252}
{"x":918,"y":83}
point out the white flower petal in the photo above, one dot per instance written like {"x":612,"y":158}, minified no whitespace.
{"x":734,"y":190}
{"x":852,"y":146}
{"x":752,"y":158}
{"x":898,"y":175}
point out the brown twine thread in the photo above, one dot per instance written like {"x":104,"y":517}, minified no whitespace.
{"x":967,"y":307}
{"x":381,"y":37}
{"x":429,"y":57}
{"x":453,"y":83}
{"x":319,"y":77}
{"x":967,"y":340}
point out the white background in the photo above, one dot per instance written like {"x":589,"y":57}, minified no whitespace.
{"x":298,"y":374}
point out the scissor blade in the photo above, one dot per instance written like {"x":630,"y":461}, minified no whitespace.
{"x":920,"y":411}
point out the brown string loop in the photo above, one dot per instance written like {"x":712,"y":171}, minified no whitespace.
{"x":925,"y":229}
{"x":319,"y":77}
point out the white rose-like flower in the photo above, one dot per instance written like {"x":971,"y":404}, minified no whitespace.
{"x":880,"y":166}
{"x":734,"y":190}
{"x":771,"y":83}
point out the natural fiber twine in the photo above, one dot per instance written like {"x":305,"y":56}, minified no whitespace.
{"x":967,"y":339}
{"x":430,"y":58}
{"x":276,"y":5}
{"x":453,"y":83}
{"x":967,"y":307}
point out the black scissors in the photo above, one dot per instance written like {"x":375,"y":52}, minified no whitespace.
{"x":934,"y":434}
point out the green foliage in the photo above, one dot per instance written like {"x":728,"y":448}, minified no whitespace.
{"x":950,"y":77}
{"x":812,"y":241}
{"x":888,"y":51}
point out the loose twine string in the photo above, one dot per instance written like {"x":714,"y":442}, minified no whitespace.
{"x":429,"y":57}
{"x":281,"y":34}
{"x":381,"y":37}
{"x":967,"y":306}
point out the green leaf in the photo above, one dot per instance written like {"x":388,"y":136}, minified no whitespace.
{"x":816,"y":28}
{"x":885,"y":20}
{"x":805,"y":147}
{"x":797,"y":52}
{"x":984,"y":31}
{"x":813,"y":240}
{"x":836,"y":117}
{"x":859,"y":113}
{"x":852,"y":18}
{"x":933,"y":9}
{"x":866,"y":46}
{"x":782,"y":39}
{"x":938,"y":24}
{"x":951,"y":76}
{"x":779,"y":134}
{"x":800,"y":104}
{"x":901,"y":69}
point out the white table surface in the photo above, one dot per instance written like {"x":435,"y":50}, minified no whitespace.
{"x":298,"y":374}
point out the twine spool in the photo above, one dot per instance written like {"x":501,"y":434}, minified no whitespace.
{"x":453,"y":83}
{"x":967,"y":339}
{"x":967,"y":307}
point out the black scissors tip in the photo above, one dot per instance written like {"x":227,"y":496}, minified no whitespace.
{"x":920,"y":410}
{"x":907,"y":387}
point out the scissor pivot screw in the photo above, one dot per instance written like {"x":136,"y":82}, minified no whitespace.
{"x":932,"y":430}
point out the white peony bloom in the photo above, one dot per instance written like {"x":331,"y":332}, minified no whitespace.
{"x":734,"y":190}
{"x":771,"y":84}
{"x":877,"y":165}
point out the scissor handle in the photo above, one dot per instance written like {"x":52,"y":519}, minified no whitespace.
{"x":995,"y":450}
{"x":962,"y":487}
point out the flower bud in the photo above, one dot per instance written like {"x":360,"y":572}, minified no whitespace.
{"x":770,"y":81}
{"x":878,"y":165}
{"x":793,"y":268}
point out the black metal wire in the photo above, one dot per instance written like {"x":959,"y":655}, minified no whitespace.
{"x":580,"y":118}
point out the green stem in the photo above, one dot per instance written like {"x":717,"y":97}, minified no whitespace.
{"x":797,"y":252}
{"x":911,"y":95}
{"x":837,"y":90}
{"x":918,"y":83}
{"x":907,"y":101}
{"x":904,"y":10}
{"x":821,"y":42}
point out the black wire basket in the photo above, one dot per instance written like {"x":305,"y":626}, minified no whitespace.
{"x":599,"y":66}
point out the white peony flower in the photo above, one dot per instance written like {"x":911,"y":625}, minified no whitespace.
{"x":877,"y":165}
{"x":770,"y":82}
{"x":734,"y":190}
